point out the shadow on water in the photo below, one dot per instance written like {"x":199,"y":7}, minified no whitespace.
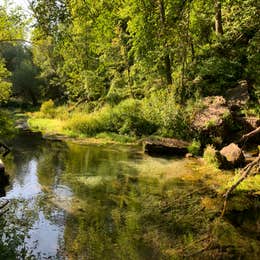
{"x":72,"y":201}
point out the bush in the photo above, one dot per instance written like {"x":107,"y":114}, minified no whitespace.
{"x":48,"y":109}
{"x":87,"y":124}
{"x":170,"y":118}
{"x":210,"y":156}
{"x":194,"y":147}
{"x":123,"y":119}
{"x":126,"y":118}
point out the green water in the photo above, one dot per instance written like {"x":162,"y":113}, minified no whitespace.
{"x":77,"y":201}
{"x":71,"y":201}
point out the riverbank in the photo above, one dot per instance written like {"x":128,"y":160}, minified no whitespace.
{"x":54,"y":129}
{"x":169,"y":207}
{"x":120,"y":202}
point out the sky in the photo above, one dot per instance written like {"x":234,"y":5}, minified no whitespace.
{"x":22,"y":3}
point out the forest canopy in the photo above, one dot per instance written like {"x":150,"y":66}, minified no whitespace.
{"x":165,"y":53}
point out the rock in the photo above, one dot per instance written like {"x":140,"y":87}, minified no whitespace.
{"x":189,"y":155}
{"x":165,"y":146}
{"x":238,"y":96}
{"x":22,"y":124}
{"x":214,"y":111}
{"x":233,"y":155}
{"x":248,"y":123}
{"x":211,"y":121}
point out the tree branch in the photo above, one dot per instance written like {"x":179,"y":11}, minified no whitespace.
{"x":245,"y":137}
{"x":245,"y":172}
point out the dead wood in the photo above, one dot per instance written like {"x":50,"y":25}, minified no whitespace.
{"x":245,"y":172}
{"x":247,"y":136}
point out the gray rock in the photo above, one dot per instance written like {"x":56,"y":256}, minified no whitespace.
{"x":238,"y":96}
{"x":212,"y":114}
{"x":165,"y":146}
{"x":233,"y":155}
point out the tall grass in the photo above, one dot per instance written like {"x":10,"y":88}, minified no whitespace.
{"x":157,"y":114}
{"x":124,"y":119}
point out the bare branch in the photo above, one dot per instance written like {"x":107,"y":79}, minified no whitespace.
{"x":245,"y":137}
{"x":245,"y":172}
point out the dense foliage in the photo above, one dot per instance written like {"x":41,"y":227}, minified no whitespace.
{"x":112,"y":50}
{"x":157,"y":57}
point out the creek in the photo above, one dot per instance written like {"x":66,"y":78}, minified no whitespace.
{"x":72,"y":201}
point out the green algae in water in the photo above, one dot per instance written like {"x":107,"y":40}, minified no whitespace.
{"x":109,"y":202}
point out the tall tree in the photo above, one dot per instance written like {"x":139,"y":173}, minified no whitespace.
{"x":218,"y":17}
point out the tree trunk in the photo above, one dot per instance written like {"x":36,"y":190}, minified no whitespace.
{"x":33,"y":97}
{"x":167,"y":60}
{"x":218,"y":17}
{"x":168,"y":72}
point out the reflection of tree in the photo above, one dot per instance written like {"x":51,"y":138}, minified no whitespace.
{"x":28,"y":215}
{"x":51,"y":164}
{"x":91,"y":232}
{"x":4,"y":181}
{"x":13,"y":231}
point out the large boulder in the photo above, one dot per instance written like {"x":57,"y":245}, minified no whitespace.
{"x":238,"y":96}
{"x":165,"y":146}
{"x":214,"y":110}
{"x":211,"y":120}
{"x":248,"y":123}
{"x":234,"y":155}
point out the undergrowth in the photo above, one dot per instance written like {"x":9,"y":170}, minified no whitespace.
{"x":154,"y":115}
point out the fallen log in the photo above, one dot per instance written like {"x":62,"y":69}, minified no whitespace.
{"x":245,"y":172}
{"x":247,"y":136}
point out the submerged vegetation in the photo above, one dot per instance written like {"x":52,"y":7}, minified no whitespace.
{"x":123,"y":205}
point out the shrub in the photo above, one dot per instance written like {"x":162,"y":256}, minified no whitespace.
{"x":170,"y":118}
{"x":210,"y":156}
{"x":87,"y":124}
{"x":123,"y":119}
{"x":62,"y":113}
{"x":126,"y":118}
{"x":48,"y":109}
{"x":194,"y":147}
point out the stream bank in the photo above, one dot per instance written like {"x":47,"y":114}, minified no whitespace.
{"x":140,"y":207}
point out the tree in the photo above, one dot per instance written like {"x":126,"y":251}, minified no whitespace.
{"x":5,"y":84}
{"x":218,"y":17}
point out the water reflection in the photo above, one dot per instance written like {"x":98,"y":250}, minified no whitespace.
{"x":25,"y":184}
{"x":84,"y":202}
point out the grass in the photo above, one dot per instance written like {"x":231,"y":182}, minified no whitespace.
{"x":54,"y":127}
{"x":124,"y":122}
{"x":46,"y":125}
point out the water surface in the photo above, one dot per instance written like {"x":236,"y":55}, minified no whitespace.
{"x":83,"y":201}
